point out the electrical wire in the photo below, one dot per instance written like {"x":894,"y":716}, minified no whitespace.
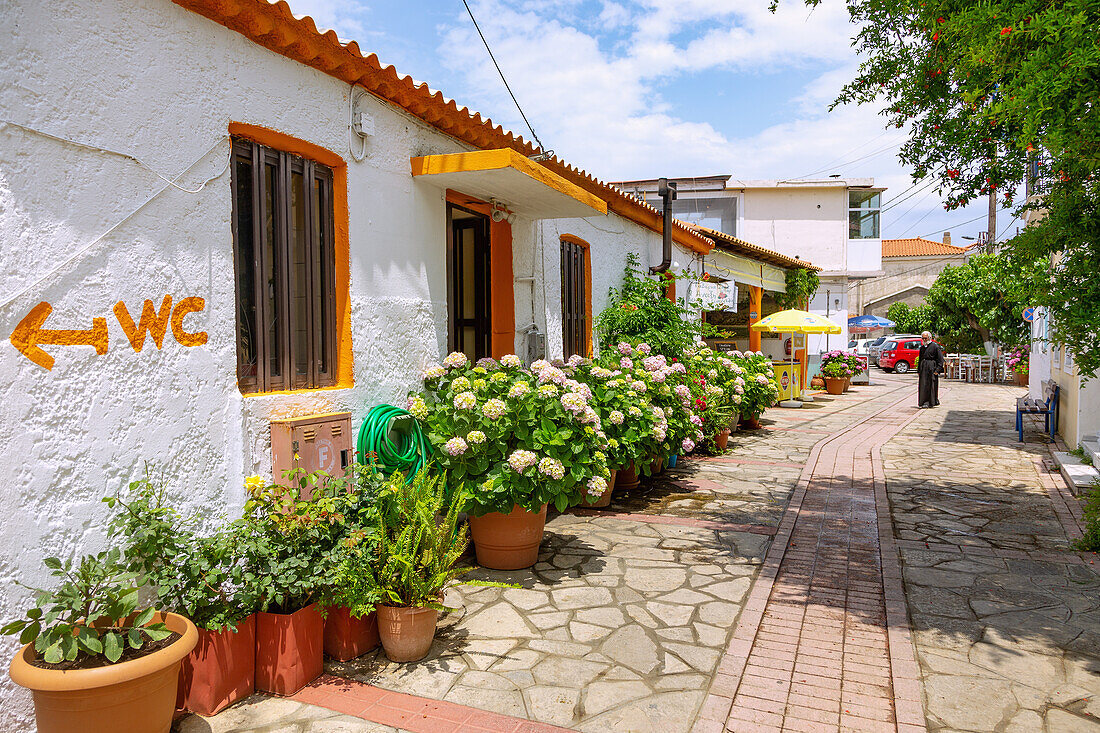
{"x":542,"y":147}
{"x":171,"y":183}
{"x":903,"y":197}
{"x":101,"y":149}
{"x":856,"y":149}
{"x":354,"y":97}
{"x":880,"y":151}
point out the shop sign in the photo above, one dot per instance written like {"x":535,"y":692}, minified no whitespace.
{"x":785,"y":380}
{"x":712,"y":296}
{"x":29,"y":336}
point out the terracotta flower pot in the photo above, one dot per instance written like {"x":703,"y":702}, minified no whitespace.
{"x":834,"y":385}
{"x":138,"y":696}
{"x":605,"y":497}
{"x":657,"y":467}
{"x":750,"y":422}
{"x":406,"y":633}
{"x":508,"y":541}
{"x":220,"y":670}
{"x":289,"y":650}
{"x":1021,"y":379}
{"x":627,"y":478}
{"x":722,"y":439}
{"x":347,"y":637}
{"x":847,"y":383}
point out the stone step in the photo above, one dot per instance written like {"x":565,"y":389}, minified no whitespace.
{"x":1078,"y":476}
{"x":1092,"y":449}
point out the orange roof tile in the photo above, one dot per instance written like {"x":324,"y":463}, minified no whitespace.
{"x":917,"y":247}
{"x":732,"y":244}
{"x":273,"y":26}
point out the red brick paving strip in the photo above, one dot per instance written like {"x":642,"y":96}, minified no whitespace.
{"x":409,"y":712}
{"x":823,"y":641}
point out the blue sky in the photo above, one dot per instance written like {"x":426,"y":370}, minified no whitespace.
{"x":644,"y":88}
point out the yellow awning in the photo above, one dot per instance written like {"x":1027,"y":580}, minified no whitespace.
{"x":522,"y":185}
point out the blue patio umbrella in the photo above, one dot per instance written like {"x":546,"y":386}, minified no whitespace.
{"x":870,"y":322}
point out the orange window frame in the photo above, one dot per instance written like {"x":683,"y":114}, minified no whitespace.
{"x":502,"y":300}
{"x":587,"y":288}
{"x":341,"y":256}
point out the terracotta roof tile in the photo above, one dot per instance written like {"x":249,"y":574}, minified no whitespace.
{"x":917,"y":247}
{"x":735,"y":245}
{"x":273,"y":26}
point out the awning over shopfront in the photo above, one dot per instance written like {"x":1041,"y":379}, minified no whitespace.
{"x":504,"y":175}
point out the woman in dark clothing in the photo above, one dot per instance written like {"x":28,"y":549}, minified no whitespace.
{"x":929,"y":365}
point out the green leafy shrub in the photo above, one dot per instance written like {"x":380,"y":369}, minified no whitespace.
{"x":508,"y":436}
{"x":1090,"y":538}
{"x":200,"y":577}
{"x":640,"y":312}
{"x":419,"y":542}
{"x":288,"y":542}
{"x":93,"y":612}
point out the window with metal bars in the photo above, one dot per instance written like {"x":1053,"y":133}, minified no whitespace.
{"x":574,"y":299}
{"x":284,"y":257}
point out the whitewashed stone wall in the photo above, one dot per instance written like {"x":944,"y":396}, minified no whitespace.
{"x":152,"y":79}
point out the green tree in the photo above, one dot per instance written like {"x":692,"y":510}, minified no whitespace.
{"x":974,"y":296}
{"x":912,"y":320}
{"x":985,"y":89}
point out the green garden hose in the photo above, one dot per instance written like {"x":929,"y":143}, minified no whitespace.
{"x":410,"y":451}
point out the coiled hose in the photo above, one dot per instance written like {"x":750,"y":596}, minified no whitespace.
{"x":410,"y":452}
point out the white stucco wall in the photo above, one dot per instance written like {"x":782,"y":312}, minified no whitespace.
{"x":163,"y":83}
{"x":810,"y":222}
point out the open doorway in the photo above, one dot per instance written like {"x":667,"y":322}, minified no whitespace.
{"x":468,"y":283}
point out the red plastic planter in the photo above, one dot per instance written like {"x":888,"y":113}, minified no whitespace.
{"x":289,"y":650}
{"x":220,"y":670}
{"x":347,"y":637}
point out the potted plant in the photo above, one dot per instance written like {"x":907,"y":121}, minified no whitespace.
{"x":1017,"y":361}
{"x":288,"y":544}
{"x":199,"y":577}
{"x":419,"y":543}
{"x":835,"y":374}
{"x":94,"y":659}
{"x":761,"y":389}
{"x":511,"y":441}
{"x":350,"y":597}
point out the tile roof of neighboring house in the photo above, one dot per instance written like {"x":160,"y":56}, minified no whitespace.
{"x":918,"y":247}
{"x":730,"y":243}
{"x":273,"y":26}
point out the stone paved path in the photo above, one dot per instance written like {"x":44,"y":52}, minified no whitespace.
{"x":1006,"y":621}
{"x":772,"y":588}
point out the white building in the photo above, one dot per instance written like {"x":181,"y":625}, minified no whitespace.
{"x":212,"y":215}
{"x":832,"y":222}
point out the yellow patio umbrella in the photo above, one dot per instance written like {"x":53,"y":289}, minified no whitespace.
{"x":796,"y":321}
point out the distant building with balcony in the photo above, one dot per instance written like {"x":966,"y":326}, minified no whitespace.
{"x":833,"y":222}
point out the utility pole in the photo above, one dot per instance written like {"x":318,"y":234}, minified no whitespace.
{"x":991,"y":237}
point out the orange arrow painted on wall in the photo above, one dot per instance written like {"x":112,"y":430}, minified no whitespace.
{"x":29,"y":334}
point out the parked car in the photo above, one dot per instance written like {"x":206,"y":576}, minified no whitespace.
{"x":862,"y":346}
{"x":899,"y":354}
{"x":873,"y":349}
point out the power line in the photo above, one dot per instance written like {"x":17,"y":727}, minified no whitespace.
{"x":969,"y":221}
{"x":880,"y":151}
{"x":918,"y":189}
{"x":856,"y":149}
{"x":545,"y":152}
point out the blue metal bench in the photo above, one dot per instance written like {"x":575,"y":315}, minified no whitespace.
{"x":1047,"y":407}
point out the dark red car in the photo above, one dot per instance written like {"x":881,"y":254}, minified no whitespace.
{"x":899,"y":355}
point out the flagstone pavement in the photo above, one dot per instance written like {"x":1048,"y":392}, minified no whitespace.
{"x":854,"y":565}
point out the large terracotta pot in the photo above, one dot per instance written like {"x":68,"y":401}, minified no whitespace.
{"x":289,"y":650}
{"x":749,"y":422}
{"x":605,"y":497}
{"x":406,"y":633}
{"x":627,"y":478}
{"x":1021,"y":379}
{"x":847,"y":383}
{"x":220,"y":670}
{"x":834,"y":385}
{"x":347,"y":637}
{"x":138,"y":696}
{"x":508,"y":541}
{"x":657,"y":467}
{"x":722,"y":439}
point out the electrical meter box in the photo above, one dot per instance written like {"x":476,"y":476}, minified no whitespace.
{"x":311,"y":443}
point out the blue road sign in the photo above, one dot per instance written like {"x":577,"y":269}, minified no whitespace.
{"x":1029,"y":314}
